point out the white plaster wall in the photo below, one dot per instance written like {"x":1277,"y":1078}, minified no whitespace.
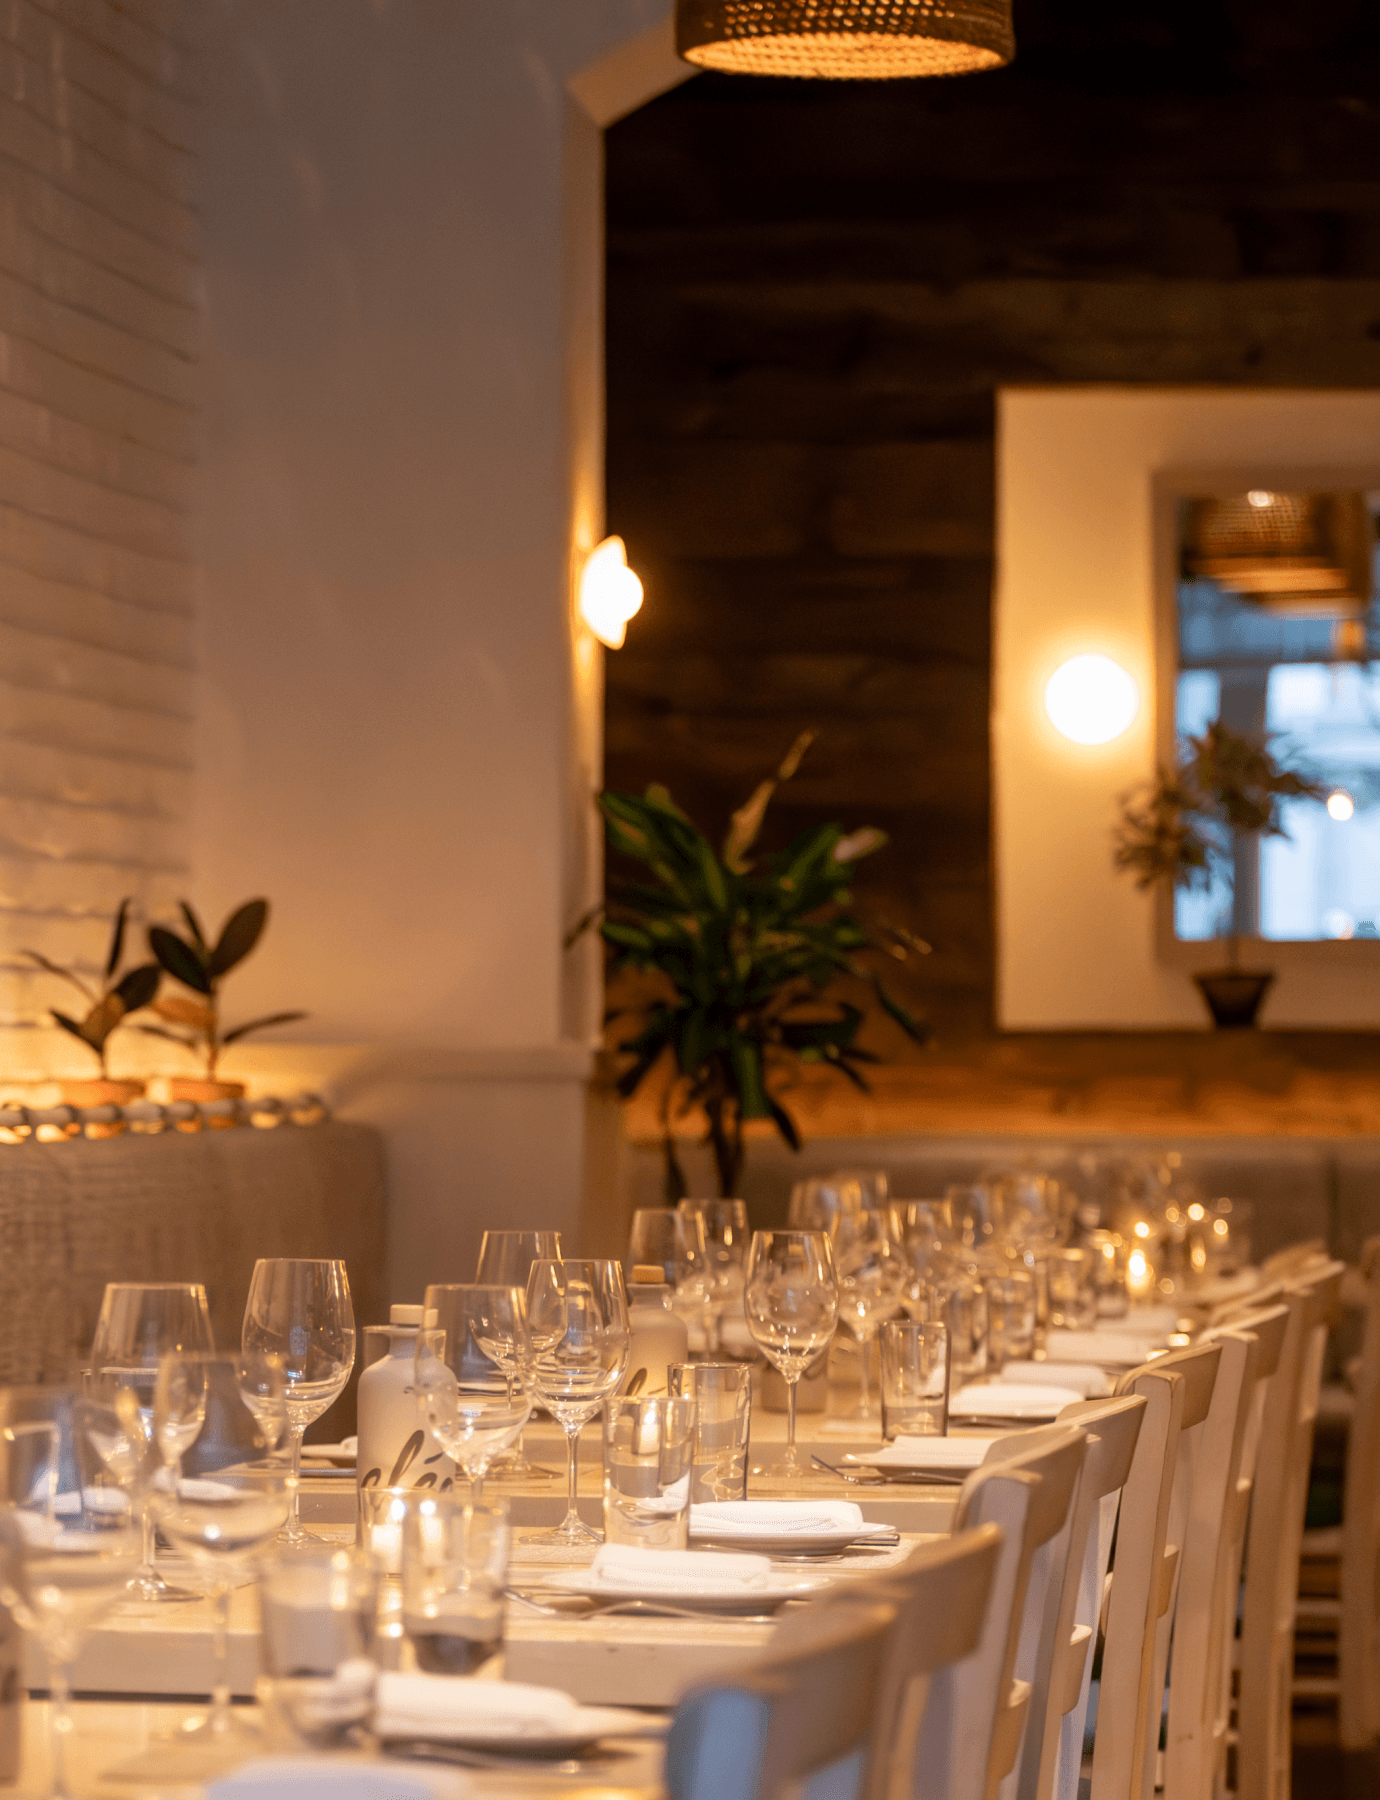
{"x":397,"y":726}
{"x":1076,"y":942}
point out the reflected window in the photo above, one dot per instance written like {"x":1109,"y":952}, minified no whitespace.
{"x":1279,"y":634}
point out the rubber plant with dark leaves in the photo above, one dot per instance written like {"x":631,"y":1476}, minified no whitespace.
{"x":201,"y":965}
{"x":108,"y":1006}
{"x":745,"y":957}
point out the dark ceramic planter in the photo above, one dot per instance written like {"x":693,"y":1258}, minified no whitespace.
{"x":1234,"y":995}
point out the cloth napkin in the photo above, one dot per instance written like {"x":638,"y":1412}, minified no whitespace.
{"x":1152,"y":1322}
{"x":780,"y":1518}
{"x":999,"y":1400}
{"x":939,"y":1453}
{"x":316,"y":1778}
{"x":1088,"y":1380}
{"x":438,"y":1705}
{"x":677,"y":1571}
{"x":1118,"y":1349}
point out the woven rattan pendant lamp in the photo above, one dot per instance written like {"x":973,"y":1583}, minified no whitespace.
{"x":845,"y":39}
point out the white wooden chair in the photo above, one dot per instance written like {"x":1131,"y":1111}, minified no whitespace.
{"x":807,"y":1708}
{"x":1276,"y":1532}
{"x":1203,"y":1600}
{"x":1052,"y":1752}
{"x":1356,"y":1541}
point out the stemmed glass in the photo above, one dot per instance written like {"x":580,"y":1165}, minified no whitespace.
{"x":871,"y":1275}
{"x":139,"y":1322}
{"x":726,"y":1239}
{"x":299,"y":1309}
{"x":792,"y":1304}
{"x":817,"y":1201}
{"x":69,"y":1538}
{"x":673,"y":1240}
{"x":226,"y":1521}
{"x":577,"y":1316}
{"x":505,"y":1260}
{"x":468,"y":1371}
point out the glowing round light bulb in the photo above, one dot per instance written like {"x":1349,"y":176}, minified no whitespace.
{"x":610,"y":593}
{"x":1091,"y":699}
{"x":1340,"y":805}
{"x":1261,"y":497}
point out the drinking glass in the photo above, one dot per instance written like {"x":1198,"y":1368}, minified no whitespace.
{"x":722,"y":1393}
{"x":69,"y":1536}
{"x":792,"y":1304}
{"x":961,"y":1304}
{"x":318,"y":1605}
{"x":506,"y":1257}
{"x":577,"y":1315}
{"x":299,"y":1309}
{"x":873,"y":1185}
{"x":454,"y":1568}
{"x":649,"y":1453}
{"x":871,"y":1276}
{"x":469,"y":1374}
{"x":726,"y":1241}
{"x":139,"y":1322}
{"x":674,"y":1241}
{"x":1072,"y":1296}
{"x":1010,"y":1318}
{"x":818,"y":1201}
{"x":915,"y":1379}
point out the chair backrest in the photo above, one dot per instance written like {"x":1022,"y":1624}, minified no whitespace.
{"x":940,"y":1598}
{"x":1059,"y":1697}
{"x":973,"y":1725}
{"x":1359,"y":1631}
{"x":809,"y":1705}
{"x":1276,"y":1534}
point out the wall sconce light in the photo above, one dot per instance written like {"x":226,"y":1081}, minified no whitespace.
{"x":1091,"y":699}
{"x":609,"y":592}
{"x":1340,"y":805}
{"x":842,"y":39}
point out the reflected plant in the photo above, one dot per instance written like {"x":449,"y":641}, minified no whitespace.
{"x":107,"y":1008}
{"x":744,"y":958}
{"x":201,"y":966}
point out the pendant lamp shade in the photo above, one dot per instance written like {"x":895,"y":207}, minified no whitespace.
{"x":845,"y":39}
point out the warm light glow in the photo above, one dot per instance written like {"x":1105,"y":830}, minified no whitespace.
{"x":1091,"y":699}
{"x":609,"y":592}
{"x":1197,"y":1210}
{"x":1260,"y":497}
{"x":1142,"y":1230}
{"x":1340,"y":805}
{"x":1140,"y":1277}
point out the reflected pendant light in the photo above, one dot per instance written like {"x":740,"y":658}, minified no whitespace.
{"x":845,"y":39}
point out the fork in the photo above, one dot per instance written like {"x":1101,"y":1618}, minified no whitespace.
{"x":878,"y":1478}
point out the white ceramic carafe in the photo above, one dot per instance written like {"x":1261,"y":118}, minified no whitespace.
{"x":657,"y":1335}
{"x":395,"y":1447}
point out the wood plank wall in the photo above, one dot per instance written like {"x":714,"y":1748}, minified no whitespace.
{"x":98,"y":346}
{"x":813,"y":292}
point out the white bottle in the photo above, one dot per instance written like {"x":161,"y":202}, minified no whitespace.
{"x":395,"y":1447}
{"x":658,"y":1336}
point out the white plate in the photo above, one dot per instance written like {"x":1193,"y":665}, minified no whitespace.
{"x":728,"y":1596}
{"x":940,"y":1456}
{"x":339,"y":1454}
{"x":587,"y":1725}
{"x":799,"y":1543}
{"x":1009,"y":1402}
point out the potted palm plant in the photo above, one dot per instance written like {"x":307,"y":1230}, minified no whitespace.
{"x":107,"y":1007}
{"x":742,"y":958}
{"x":1181,"y":832}
{"x":193,"y":1020}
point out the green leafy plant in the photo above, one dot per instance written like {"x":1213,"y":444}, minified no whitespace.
{"x":743,"y":958}
{"x":1181,"y":829}
{"x":108,"y":1007}
{"x":201,"y":966}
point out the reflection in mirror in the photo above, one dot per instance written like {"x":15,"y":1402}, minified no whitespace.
{"x":1277,"y":629}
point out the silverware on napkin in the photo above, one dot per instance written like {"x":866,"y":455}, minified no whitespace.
{"x":869,"y":1475}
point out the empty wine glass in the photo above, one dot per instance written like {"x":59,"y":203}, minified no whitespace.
{"x":792,"y":1304}
{"x":506,"y":1257}
{"x":69,"y":1536}
{"x":817,"y":1201}
{"x":871,"y":1275}
{"x":468,"y":1374}
{"x":139,"y":1322}
{"x":726,"y":1241}
{"x":673,"y":1241}
{"x":577,"y":1318}
{"x":299,"y":1309}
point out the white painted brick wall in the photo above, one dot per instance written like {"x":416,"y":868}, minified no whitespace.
{"x":98,"y":347}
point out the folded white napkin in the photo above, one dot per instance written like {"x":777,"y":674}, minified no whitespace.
{"x":1118,"y":1349}
{"x":685,"y":1571}
{"x":941,"y":1453}
{"x":1088,"y":1380}
{"x":1155,"y":1322}
{"x":1001,"y":1400}
{"x":317,"y":1778}
{"x":778,"y":1518}
{"x":424,"y":1705}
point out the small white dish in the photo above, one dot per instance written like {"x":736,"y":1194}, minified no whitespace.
{"x":1018,"y":1403}
{"x":726,"y":1596}
{"x":942,"y":1455}
{"x":585,"y":1726}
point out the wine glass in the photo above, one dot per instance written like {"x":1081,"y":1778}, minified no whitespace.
{"x":224,"y":1521}
{"x":577,"y":1317}
{"x":299,"y":1309}
{"x":506,"y":1258}
{"x":792,"y":1304}
{"x":673,"y":1240}
{"x":871,"y":1275}
{"x":468,"y":1374}
{"x":139,"y":1322}
{"x":726,"y":1240}
{"x":817,"y":1201}
{"x":69,"y":1536}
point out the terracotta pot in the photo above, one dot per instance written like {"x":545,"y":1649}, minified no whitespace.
{"x":1234,"y":995}
{"x":100,"y":1092}
{"x":196,"y":1087}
